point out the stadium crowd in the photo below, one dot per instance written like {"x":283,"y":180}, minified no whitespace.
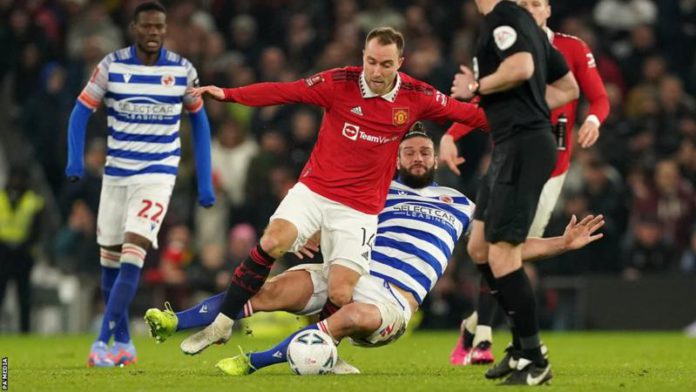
{"x":640,"y":175}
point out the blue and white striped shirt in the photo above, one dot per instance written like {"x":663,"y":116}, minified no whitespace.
{"x":416,"y":234}
{"x":143,"y":107}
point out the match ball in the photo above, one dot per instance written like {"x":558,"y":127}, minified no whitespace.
{"x":312,"y":352}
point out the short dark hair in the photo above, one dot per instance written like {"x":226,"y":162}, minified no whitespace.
{"x":148,"y":6}
{"x":417,"y":130}
{"x":387,"y":36}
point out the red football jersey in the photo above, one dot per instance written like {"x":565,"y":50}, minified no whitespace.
{"x":354,"y":158}
{"x":582,"y":64}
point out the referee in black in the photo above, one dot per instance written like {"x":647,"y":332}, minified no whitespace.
{"x":518,"y":75}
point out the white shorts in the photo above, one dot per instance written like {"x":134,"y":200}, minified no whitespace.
{"x":347,"y":235}
{"x":547,"y":202}
{"x":135,"y":208}
{"x":393,"y":306}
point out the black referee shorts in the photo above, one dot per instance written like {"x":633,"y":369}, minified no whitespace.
{"x":520,"y":166}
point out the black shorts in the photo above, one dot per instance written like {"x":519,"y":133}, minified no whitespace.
{"x":520,"y":167}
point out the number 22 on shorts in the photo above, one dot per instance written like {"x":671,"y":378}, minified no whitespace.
{"x":147,"y":206}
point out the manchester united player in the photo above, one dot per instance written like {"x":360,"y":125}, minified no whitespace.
{"x":343,"y":186}
{"x":473,"y":347}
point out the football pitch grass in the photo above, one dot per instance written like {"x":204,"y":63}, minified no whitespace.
{"x":588,"y":361}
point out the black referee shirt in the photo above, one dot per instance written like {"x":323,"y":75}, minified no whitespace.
{"x":510,"y":29}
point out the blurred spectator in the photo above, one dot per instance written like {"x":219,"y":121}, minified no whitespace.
{"x":210,"y":275}
{"x":75,"y":245}
{"x":686,"y":157}
{"x":15,"y":36}
{"x":232,"y":151}
{"x":617,"y":15}
{"x":243,"y":39}
{"x":646,"y":250}
{"x":304,"y":128}
{"x":687,"y":263}
{"x":88,"y":188}
{"x":42,"y":113}
{"x":302,"y":42}
{"x":380,"y":13}
{"x":273,"y":153}
{"x":672,"y":201}
{"x":675,"y":105}
{"x":600,"y":256}
{"x":176,"y":254}
{"x":20,"y":213}
{"x":642,"y":46}
{"x":241,"y":239}
{"x":605,"y":193}
{"x":92,"y":21}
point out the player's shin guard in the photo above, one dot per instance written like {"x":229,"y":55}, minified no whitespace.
{"x":247,"y":281}
{"x":520,"y":304}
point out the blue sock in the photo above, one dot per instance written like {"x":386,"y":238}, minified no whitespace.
{"x":122,"y":331}
{"x":108,"y":278}
{"x":120,"y":298}
{"x":276,"y":354}
{"x":201,"y":314}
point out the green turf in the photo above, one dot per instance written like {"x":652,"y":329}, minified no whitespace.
{"x":624,"y":361}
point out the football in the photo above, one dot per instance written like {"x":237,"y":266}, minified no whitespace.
{"x":312,"y":352}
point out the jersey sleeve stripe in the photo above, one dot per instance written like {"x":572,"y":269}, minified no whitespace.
{"x":194,"y":107}
{"x":88,"y":101}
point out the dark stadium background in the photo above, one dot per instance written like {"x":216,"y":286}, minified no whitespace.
{"x":640,"y":175}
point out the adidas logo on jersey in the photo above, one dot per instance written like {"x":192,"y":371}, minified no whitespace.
{"x":357,"y":110}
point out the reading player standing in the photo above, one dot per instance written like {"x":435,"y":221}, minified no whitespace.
{"x":343,"y":186}
{"x":144,"y":89}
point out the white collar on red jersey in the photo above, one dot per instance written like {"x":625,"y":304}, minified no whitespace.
{"x":368,"y":93}
{"x":549,"y":33}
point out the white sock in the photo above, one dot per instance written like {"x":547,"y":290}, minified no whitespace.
{"x":484,"y":333}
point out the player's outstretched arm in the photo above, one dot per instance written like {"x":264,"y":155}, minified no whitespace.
{"x":213,"y":91}
{"x":316,"y":90}
{"x":576,"y":235}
